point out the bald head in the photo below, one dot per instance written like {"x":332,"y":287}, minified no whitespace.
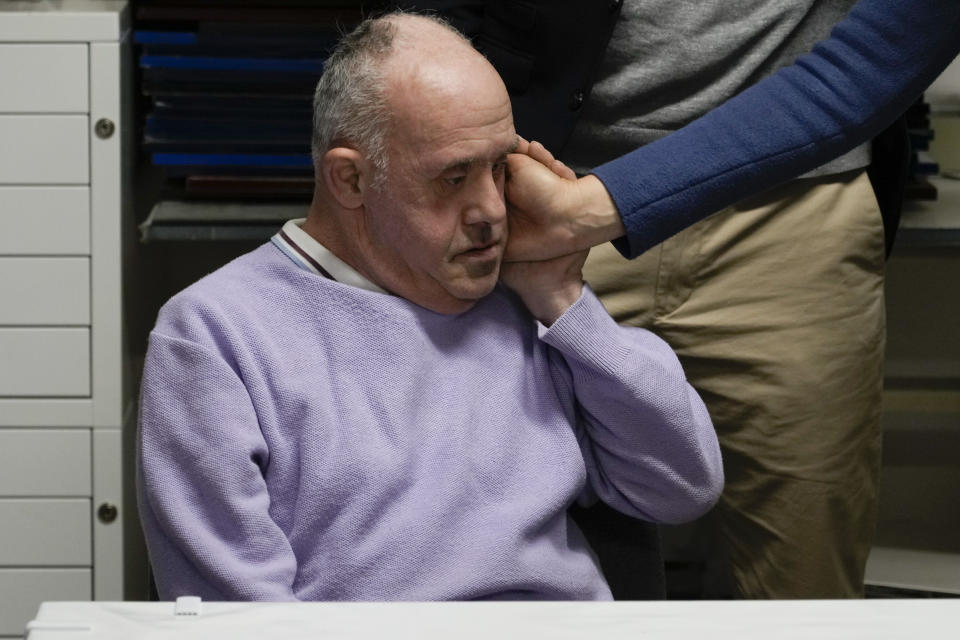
{"x":427,"y":45}
{"x":431,"y":70}
{"x":386,"y":61}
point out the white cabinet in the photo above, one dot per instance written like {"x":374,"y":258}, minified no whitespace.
{"x":22,"y":589}
{"x":45,"y":290}
{"x":44,"y":221}
{"x":44,"y":79}
{"x":45,"y":532}
{"x":44,"y":149}
{"x":63,"y":139}
{"x":44,"y":362}
{"x":45,"y":462}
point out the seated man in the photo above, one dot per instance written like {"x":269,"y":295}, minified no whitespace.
{"x":356,"y":411}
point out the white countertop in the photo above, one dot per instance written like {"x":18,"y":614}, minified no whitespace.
{"x":878,"y":619}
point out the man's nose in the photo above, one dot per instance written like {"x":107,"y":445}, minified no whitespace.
{"x":486,"y":203}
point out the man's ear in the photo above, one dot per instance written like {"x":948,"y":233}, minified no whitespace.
{"x":345,"y":172}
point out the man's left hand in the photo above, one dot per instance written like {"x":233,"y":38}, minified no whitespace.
{"x":547,"y":287}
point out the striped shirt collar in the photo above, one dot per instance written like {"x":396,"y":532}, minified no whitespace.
{"x":308,"y":254}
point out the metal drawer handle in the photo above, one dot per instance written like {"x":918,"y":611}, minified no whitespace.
{"x":107,"y":513}
{"x":104,"y":128}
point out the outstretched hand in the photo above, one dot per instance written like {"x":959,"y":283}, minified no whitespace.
{"x":542,"y":155}
{"x":551,"y":213}
{"x":537,"y":191}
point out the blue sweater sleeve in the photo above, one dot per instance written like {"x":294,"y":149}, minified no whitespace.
{"x":852,"y":85}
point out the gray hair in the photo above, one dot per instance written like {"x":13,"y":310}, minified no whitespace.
{"x":349,"y":105}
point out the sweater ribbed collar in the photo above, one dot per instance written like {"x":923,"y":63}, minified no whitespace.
{"x":309,"y":254}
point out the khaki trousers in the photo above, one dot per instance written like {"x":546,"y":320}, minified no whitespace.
{"x":775,"y":307}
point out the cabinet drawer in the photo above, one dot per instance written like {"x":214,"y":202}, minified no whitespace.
{"x":35,"y":462}
{"x":45,"y":78}
{"x":44,"y":362}
{"x":44,"y":150}
{"x":51,"y":291}
{"x":44,"y":220}
{"x":45,"y":532}
{"x":24,"y":589}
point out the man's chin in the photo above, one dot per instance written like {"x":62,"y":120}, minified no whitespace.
{"x":476,"y":288}
{"x":480,"y":289}
{"x":482,"y":269}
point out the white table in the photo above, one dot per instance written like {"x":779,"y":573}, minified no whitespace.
{"x":926,"y":619}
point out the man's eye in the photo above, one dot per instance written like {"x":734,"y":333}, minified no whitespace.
{"x":454,"y":180}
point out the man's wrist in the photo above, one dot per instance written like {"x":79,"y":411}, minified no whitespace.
{"x":549,"y":309}
{"x":598,"y":220}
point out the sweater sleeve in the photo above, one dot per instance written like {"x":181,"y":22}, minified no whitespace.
{"x":873,"y":66}
{"x":203,"y":498}
{"x":647,"y":439}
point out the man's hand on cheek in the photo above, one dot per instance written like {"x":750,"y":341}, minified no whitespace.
{"x":547,"y":287}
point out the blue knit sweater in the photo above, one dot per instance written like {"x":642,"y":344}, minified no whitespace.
{"x":849,"y":88}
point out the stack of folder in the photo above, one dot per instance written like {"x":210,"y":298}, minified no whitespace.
{"x":228,"y":88}
{"x":922,"y":164}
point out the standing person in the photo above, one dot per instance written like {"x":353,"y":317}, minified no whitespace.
{"x":775,"y":304}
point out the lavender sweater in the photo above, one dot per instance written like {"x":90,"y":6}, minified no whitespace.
{"x":304,"y":439}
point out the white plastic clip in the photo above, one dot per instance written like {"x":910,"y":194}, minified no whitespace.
{"x":187,"y":606}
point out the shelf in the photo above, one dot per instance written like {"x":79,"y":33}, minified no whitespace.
{"x":933,"y":223}
{"x":927,"y":571}
{"x":183,"y":220}
{"x":924,"y":224}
